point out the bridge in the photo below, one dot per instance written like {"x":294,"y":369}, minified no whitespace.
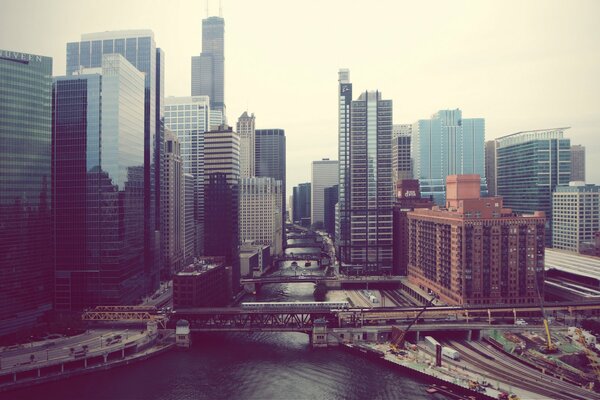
{"x":332,"y":282}
{"x":287,"y":279}
{"x":314,"y":245}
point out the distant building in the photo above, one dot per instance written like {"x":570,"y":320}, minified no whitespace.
{"x":301,"y":204}
{"x":330,"y":199}
{"x":245,"y":128}
{"x":408,"y":198}
{"x":260,"y":212}
{"x":447,"y":144}
{"x":173,"y":207}
{"x":206,"y":283}
{"x":190,"y":223}
{"x":490,"y":167}
{"x":324,"y":174}
{"x":529,"y":166}
{"x":98,"y":186}
{"x":255,"y":259}
{"x":190,"y":118}
{"x":26,"y":269}
{"x":401,"y":158}
{"x":208,"y":69}
{"x":575,"y":216}
{"x":221,"y":191}
{"x":475,"y":251}
{"x":577,"y":163}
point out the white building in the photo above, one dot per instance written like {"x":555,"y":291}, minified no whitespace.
{"x":189,"y":251}
{"x":324,"y":174}
{"x":401,"y":162}
{"x":245,"y":128}
{"x":260,"y":212}
{"x":575,"y":215}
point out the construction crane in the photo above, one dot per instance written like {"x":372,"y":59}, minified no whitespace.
{"x":591,"y":356}
{"x":398,"y":334}
{"x":550,"y":347}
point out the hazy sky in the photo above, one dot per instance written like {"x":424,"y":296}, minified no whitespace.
{"x":519,"y":64}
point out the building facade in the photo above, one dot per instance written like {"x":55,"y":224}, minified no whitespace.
{"x":330,"y":199}
{"x":206,"y":283}
{"x":529,"y":166}
{"x":447,"y":144}
{"x":26,"y":269}
{"x":490,"y":167}
{"x":208,"y":69}
{"x":189,"y":119}
{"x":301,"y":204}
{"x":139,"y":48}
{"x":401,"y":158}
{"x":189,"y":214}
{"x":577,"y":163}
{"x":245,"y":128}
{"x":260,"y":212}
{"x":98,"y":186}
{"x":474,"y":251}
{"x":342,"y":220}
{"x":173,"y":203}
{"x":371,"y":192}
{"x":575,"y":216}
{"x":324,"y":174}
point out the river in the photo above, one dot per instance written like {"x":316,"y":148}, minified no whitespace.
{"x":242,"y":366}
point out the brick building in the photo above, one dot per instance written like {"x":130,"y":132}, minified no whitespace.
{"x":207,"y":283}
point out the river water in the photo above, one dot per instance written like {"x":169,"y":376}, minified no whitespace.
{"x":242,"y":366}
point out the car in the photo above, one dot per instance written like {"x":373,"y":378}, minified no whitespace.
{"x":521,"y":322}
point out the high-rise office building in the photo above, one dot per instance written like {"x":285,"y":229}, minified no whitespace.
{"x":189,"y":118}
{"x":301,"y":204}
{"x":475,"y":251}
{"x":26,"y":270}
{"x":260,"y":212}
{"x":529,"y":166}
{"x":269,"y":156}
{"x":330,"y":199}
{"x":342,"y":220}
{"x":401,"y":159}
{"x":98,"y":186}
{"x":447,"y":144}
{"x":245,"y":128}
{"x":173,"y":203}
{"x":208,"y":69}
{"x":222,"y":172}
{"x":490,"y":167}
{"x":575,"y":216}
{"x":577,"y":163}
{"x":190,"y":223}
{"x":371,"y":192}
{"x":139,"y":48}
{"x":324,"y":174}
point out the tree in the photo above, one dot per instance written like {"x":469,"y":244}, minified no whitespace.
{"x":320,"y":292}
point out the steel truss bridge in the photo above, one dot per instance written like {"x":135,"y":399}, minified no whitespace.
{"x":124,"y":314}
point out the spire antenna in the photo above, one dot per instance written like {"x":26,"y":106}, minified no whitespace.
{"x":207,"y":9}
{"x":221,"y":8}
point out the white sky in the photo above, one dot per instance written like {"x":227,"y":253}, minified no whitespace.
{"x":519,"y":64}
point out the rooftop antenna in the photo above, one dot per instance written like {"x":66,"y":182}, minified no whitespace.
{"x":220,"y":9}
{"x":207,"y":9}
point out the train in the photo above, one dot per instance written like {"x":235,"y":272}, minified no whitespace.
{"x":300,"y":305}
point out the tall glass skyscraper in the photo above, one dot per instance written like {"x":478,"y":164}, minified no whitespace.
{"x":139,"y":48}
{"x":342,"y":221}
{"x":529,"y":166}
{"x":208,"y":69}
{"x":371,"y":191}
{"x":98,"y":186}
{"x":26,"y":281}
{"x":446,"y":145}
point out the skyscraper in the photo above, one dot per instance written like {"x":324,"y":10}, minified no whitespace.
{"x":26,"y":270}
{"x":139,"y":48}
{"x":446,"y":144}
{"x":324,"y":174}
{"x":98,"y":186}
{"x":245,"y":128}
{"x":208,"y":69}
{"x":342,"y":223}
{"x":401,"y":159}
{"x":371,"y":193}
{"x":189,"y":118}
{"x":190,"y":222}
{"x":529,"y":166}
{"x":269,"y":155}
{"x":490,"y":166}
{"x":330,"y":199}
{"x":577,"y":163}
{"x":301,"y":207}
{"x":173,"y":213}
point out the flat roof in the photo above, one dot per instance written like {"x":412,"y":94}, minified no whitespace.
{"x":573,"y":263}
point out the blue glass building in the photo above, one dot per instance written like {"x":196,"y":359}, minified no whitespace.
{"x":529,"y":166}
{"x":25,"y":174}
{"x":98,"y":186}
{"x":139,"y":48}
{"x":446,"y":145}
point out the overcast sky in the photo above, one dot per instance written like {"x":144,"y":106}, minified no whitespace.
{"x":521,"y":65}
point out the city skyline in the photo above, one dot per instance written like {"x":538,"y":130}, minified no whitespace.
{"x":512,"y":73}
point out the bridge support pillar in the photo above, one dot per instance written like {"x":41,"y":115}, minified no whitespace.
{"x":105,"y":355}
{"x":469,"y":335}
{"x":39,"y":372}
{"x":62,"y":368}
{"x":85,"y":361}
{"x":418,"y":336}
{"x":318,"y":337}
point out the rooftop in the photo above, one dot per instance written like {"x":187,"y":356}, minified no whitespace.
{"x":573,"y":263}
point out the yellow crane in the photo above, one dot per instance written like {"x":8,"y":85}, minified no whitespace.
{"x":591,"y":356}
{"x":550,"y":347}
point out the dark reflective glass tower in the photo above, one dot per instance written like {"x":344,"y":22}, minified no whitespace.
{"x":25,"y":230}
{"x":208,"y":69}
